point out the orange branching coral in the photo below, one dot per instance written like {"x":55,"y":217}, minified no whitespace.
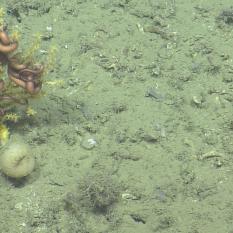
{"x":26,"y":75}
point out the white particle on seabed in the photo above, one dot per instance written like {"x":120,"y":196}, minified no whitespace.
{"x":92,"y":141}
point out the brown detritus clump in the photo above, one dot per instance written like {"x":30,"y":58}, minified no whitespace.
{"x":98,"y":191}
{"x":225,"y":17}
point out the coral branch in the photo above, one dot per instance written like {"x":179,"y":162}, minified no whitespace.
{"x":23,"y":74}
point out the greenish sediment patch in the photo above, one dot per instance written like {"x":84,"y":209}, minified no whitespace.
{"x":134,"y":130}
